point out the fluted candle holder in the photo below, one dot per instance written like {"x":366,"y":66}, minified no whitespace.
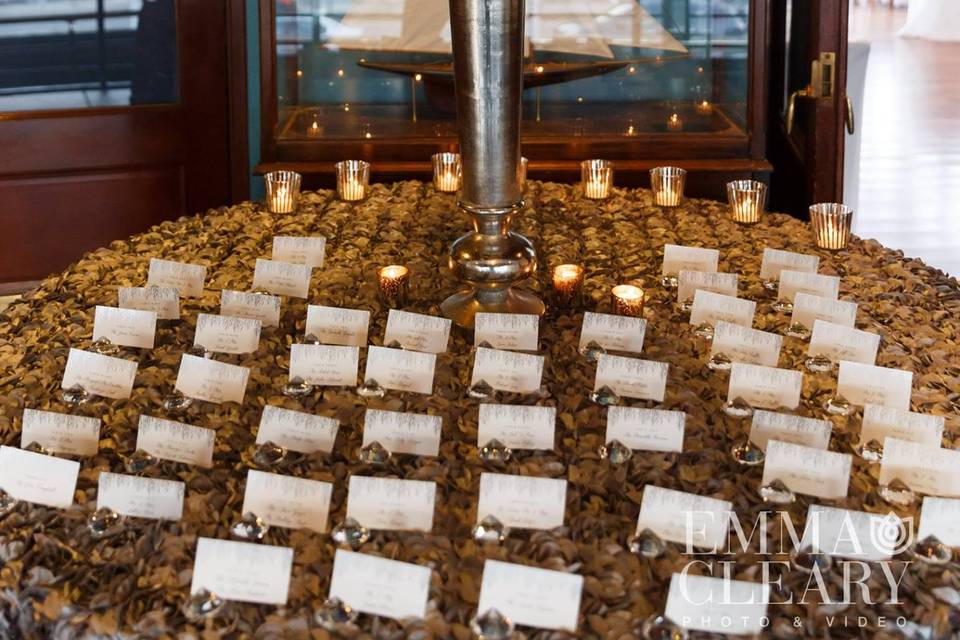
{"x":353,"y":178}
{"x":831,"y":224}
{"x":447,"y":171}
{"x":283,"y":191}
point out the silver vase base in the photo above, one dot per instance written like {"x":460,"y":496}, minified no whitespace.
{"x":464,"y":305}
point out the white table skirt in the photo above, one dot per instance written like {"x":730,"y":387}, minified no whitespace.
{"x":933,"y":20}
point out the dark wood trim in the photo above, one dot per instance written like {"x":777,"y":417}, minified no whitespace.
{"x":824,"y":158}
{"x":237,"y":85}
{"x":269,"y":116}
{"x":758,"y":83}
{"x":15,"y":288}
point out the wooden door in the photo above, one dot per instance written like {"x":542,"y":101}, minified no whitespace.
{"x":114,"y":115}
{"x":807,"y":102}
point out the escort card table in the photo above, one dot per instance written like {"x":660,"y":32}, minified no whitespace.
{"x":57,"y":581}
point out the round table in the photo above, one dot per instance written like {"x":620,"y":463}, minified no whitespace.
{"x":56,"y":581}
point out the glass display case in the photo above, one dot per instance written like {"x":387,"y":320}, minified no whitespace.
{"x":635,"y":81}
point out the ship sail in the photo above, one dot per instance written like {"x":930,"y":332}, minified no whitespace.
{"x":584,"y":27}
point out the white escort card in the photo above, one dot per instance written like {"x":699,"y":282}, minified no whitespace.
{"x":685,"y":518}
{"x":125,"y":327}
{"x":764,"y":387}
{"x":717,"y":605}
{"x":710,"y":308}
{"x":416,"y":434}
{"x":140,"y":497}
{"x":187,"y":279}
{"x":794,"y":282}
{"x":334,"y":325}
{"x":677,"y":258}
{"x":522,"y":502}
{"x":171,"y":440}
{"x":632,"y":377}
{"x":940,"y":517}
{"x":288,"y":501}
{"x":786,"y":427}
{"x":34,"y":477}
{"x":514,"y":331}
{"x":306,"y":250}
{"x":400,"y":369}
{"x":507,"y":370}
{"x":613,"y":333}
{"x":837,"y":343}
{"x":417,"y":332}
{"x":689,"y":282}
{"x":256,"y":306}
{"x":242,"y":571}
{"x":843,"y":533}
{"x":296,"y":430}
{"x":212,"y":381}
{"x":282,"y":278}
{"x":775,"y":260}
{"x":881,"y":422}
{"x":164,"y":301}
{"x":813,"y":472}
{"x":531,"y":596}
{"x":380,"y":586}
{"x":517,"y":426}
{"x":99,"y":375}
{"x":225,"y":334}
{"x":743,"y":344}
{"x":863,"y":384}
{"x":646,"y":429}
{"x":60,"y":432}
{"x":929,"y":470}
{"x":390,"y":503}
{"x":325,"y":365}
{"x":807,"y":308}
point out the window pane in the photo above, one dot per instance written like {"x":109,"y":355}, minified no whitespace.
{"x":74,"y":54}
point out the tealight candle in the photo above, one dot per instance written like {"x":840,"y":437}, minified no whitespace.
{"x":447,"y":171}
{"x":747,"y":199}
{"x":831,"y":224}
{"x":667,"y":184}
{"x":597,"y":178}
{"x":353,"y":176}
{"x":567,"y":282}
{"x":704,"y":107}
{"x":674,"y":122}
{"x":393,"y":283}
{"x":627,"y":300}
{"x":283,"y":191}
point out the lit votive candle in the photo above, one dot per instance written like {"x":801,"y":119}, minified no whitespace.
{"x":674,"y":122}
{"x":627,"y":300}
{"x":597,"y":178}
{"x":447,"y":171}
{"x":522,"y":172}
{"x":831,"y":224}
{"x":704,"y":107}
{"x":567,"y":283}
{"x":667,"y":185}
{"x":393,"y":283}
{"x":283,"y":191}
{"x":747,"y":200}
{"x":353,"y":176}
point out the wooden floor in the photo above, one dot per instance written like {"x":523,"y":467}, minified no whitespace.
{"x":910,"y":165}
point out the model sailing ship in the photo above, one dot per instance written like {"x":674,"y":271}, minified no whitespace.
{"x":602,"y":36}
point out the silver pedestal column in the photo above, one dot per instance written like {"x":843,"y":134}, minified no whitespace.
{"x":488,"y":73}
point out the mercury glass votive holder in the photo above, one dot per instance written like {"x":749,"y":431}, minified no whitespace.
{"x":283,"y":191}
{"x":568,"y":283}
{"x":627,"y":300}
{"x":597,"y":178}
{"x":353,"y":178}
{"x":831,"y":224}
{"x":747,"y":199}
{"x":447,"y":171}
{"x":667,"y":185}
{"x":393,"y":285}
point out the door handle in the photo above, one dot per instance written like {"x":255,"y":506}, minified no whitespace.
{"x":851,"y":125}
{"x":806,"y":92}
